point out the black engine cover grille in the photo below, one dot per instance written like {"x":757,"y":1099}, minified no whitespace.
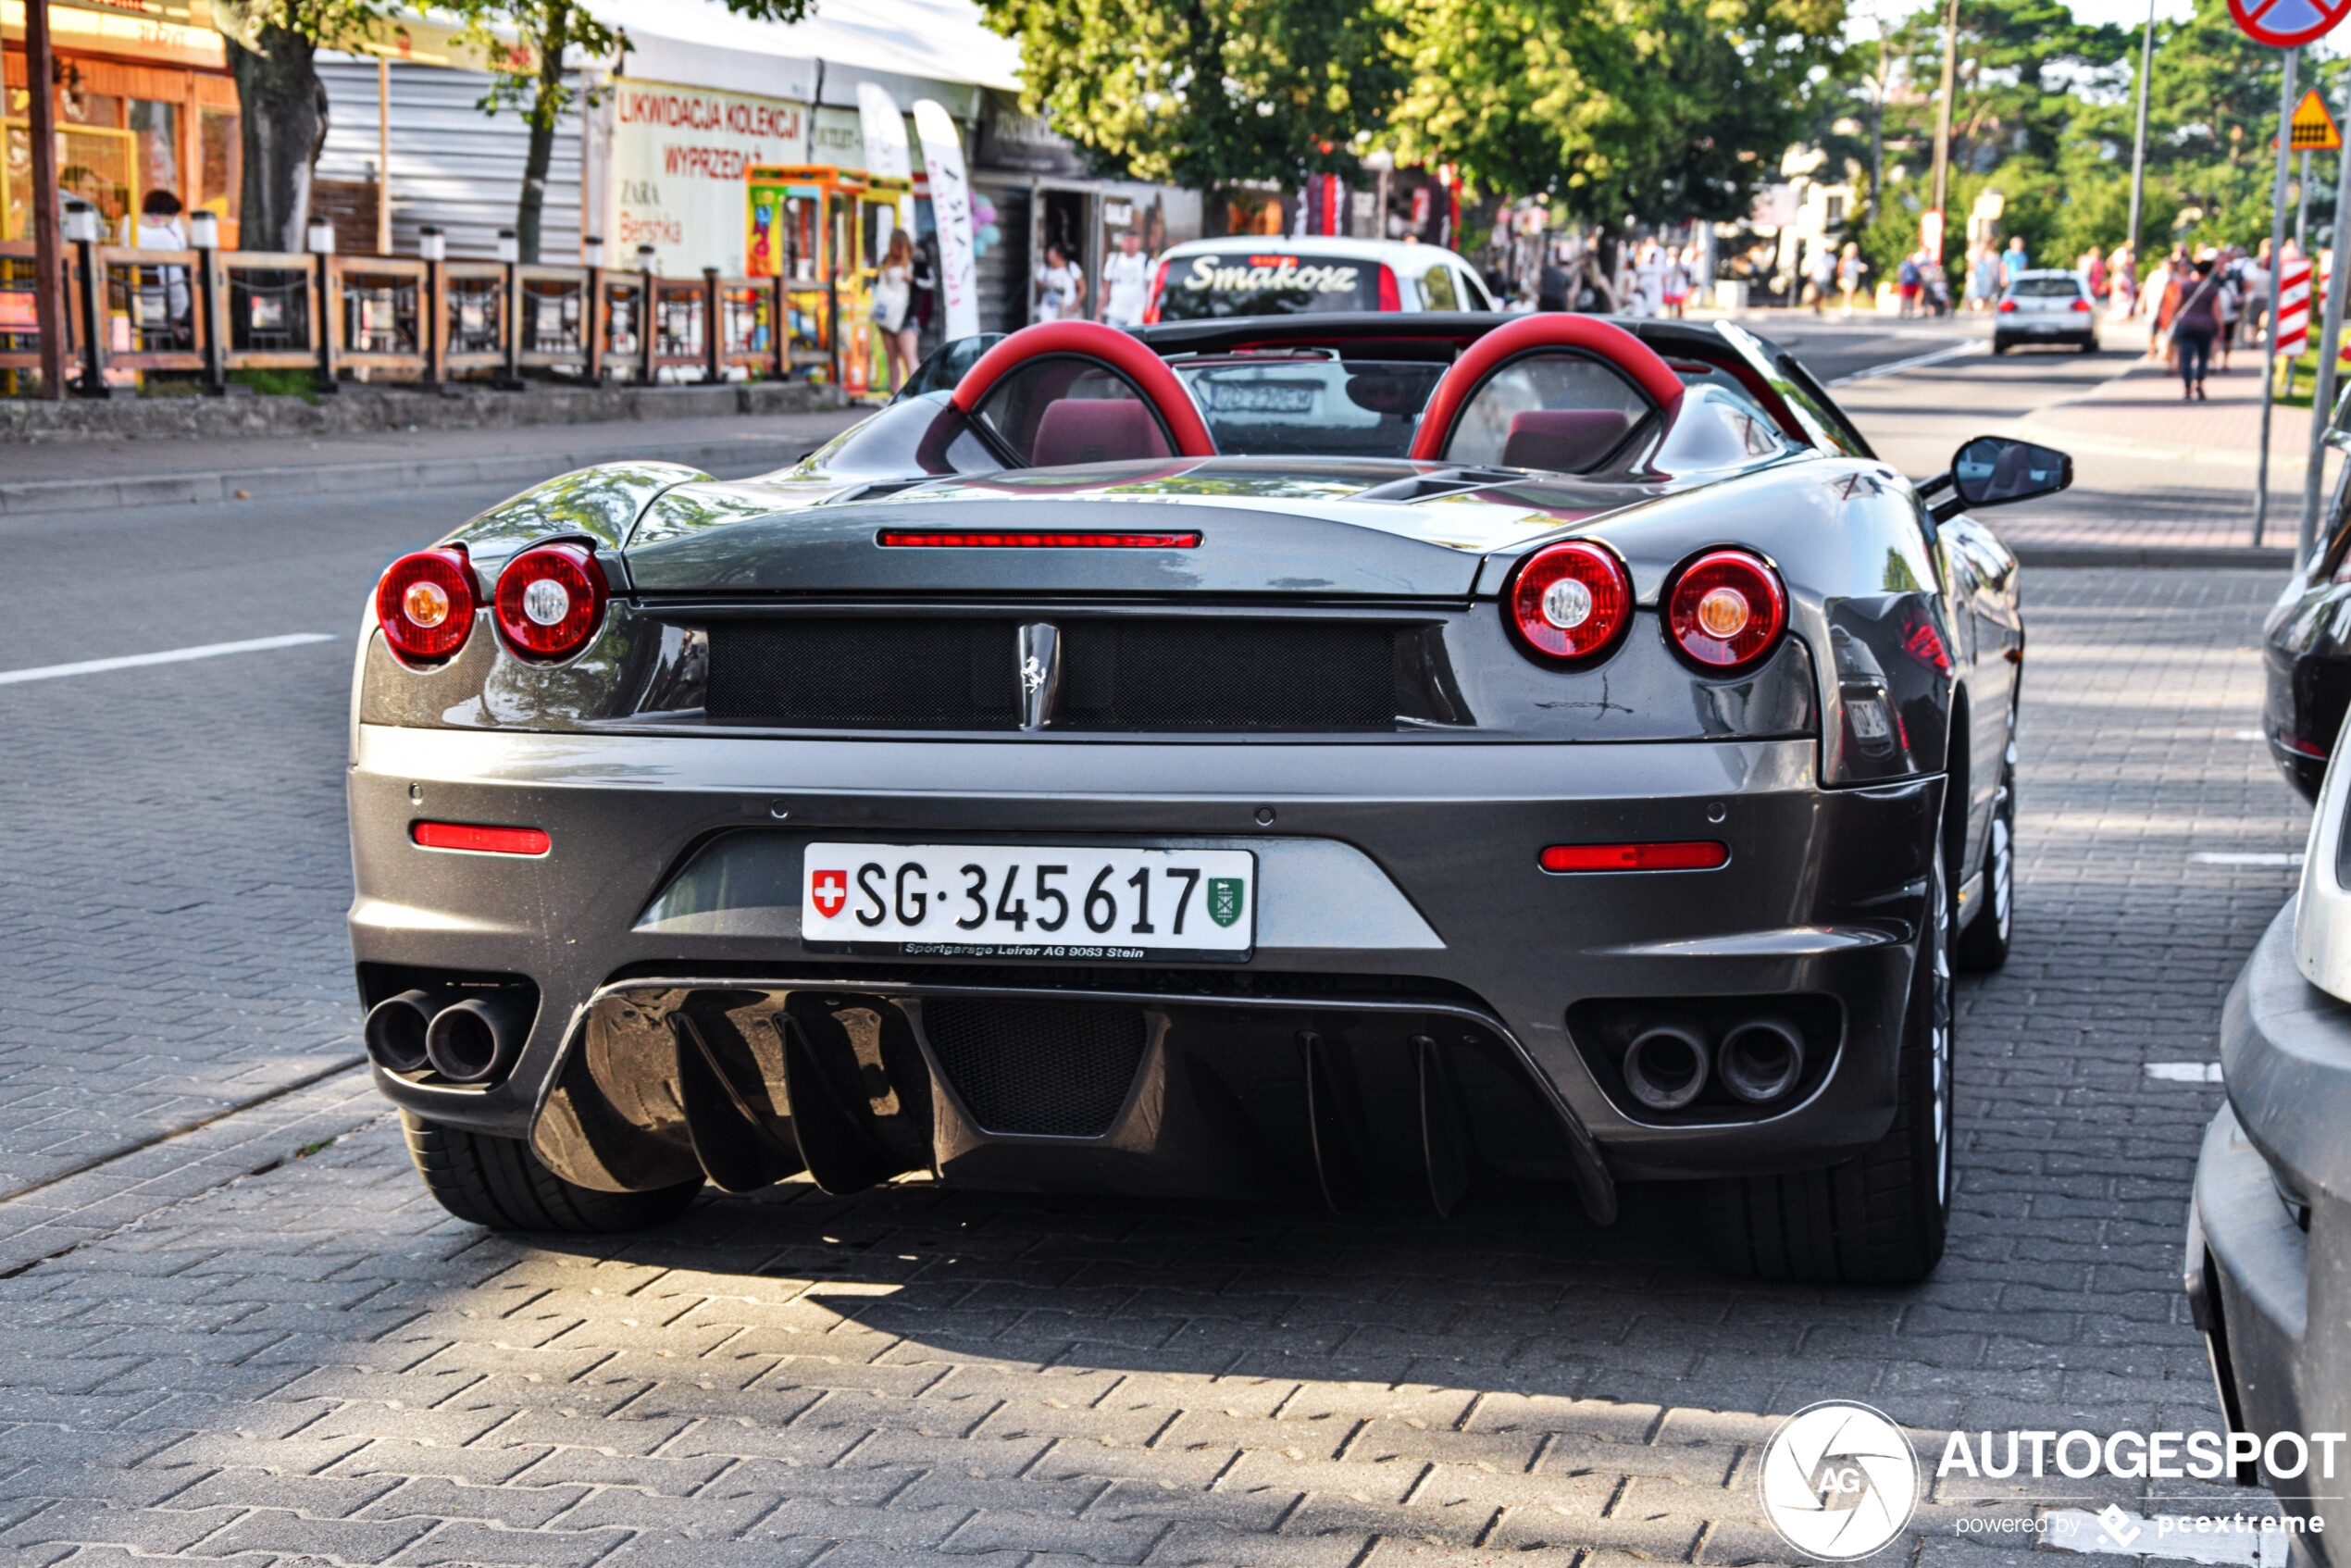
{"x":1133,"y":674}
{"x":1049,"y":1068}
{"x":834,"y":672}
{"x":1199,"y":674}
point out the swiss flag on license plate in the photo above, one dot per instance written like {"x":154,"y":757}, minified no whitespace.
{"x":828,"y":890}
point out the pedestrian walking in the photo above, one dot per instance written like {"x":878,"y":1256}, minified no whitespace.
{"x":2093,"y":269}
{"x":893,"y":309}
{"x":2228,"y":266}
{"x":2122,"y":271}
{"x":1677,"y":282}
{"x":1593,"y":293}
{"x":2014,"y":262}
{"x":1060,"y":286}
{"x":1987,"y":285}
{"x":2254,"y":281}
{"x":1126,"y":282}
{"x":1819,"y":278}
{"x":1907,"y":280}
{"x":2195,"y":322}
{"x":1850,"y":271}
{"x":1648,"y":279}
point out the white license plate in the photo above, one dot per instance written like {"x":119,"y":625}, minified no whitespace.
{"x":1036,"y":901}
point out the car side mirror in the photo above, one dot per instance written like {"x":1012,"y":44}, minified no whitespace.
{"x":1994,"y":471}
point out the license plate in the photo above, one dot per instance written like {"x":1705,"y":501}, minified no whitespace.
{"x":1050,"y":902}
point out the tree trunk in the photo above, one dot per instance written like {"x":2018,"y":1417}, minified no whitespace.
{"x":544,"y":110}
{"x":282,"y":119}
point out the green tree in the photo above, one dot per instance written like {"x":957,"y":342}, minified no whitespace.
{"x":271,"y":47}
{"x":1206,"y":92}
{"x":1657,"y":110}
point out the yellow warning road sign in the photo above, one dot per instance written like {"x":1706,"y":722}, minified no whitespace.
{"x":2314,"y":128}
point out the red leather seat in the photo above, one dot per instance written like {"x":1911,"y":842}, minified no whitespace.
{"x":1562,"y":440}
{"x":1094,"y":429}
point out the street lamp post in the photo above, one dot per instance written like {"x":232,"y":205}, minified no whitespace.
{"x":2139,"y":144}
{"x":1943,"y":120}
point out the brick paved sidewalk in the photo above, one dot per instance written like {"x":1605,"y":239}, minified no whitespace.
{"x":315,"y":1367}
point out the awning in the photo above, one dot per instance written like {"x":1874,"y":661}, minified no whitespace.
{"x":916,"y":48}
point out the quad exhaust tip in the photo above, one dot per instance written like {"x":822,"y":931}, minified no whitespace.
{"x":395,"y":1029}
{"x":1665,"y":1066}
{"x":1761,"y":1060}
{"x":476,"y":1039}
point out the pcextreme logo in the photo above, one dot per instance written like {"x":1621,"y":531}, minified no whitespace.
{"x":1838,"y":1480}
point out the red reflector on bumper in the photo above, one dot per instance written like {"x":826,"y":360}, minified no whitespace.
{"x":479,"y":839}
{"x":963,"y":539}
{"x":1695,"y":854}
{"x":2301,"y":748}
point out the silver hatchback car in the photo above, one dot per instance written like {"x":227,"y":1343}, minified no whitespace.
{"x":2046,"y":307}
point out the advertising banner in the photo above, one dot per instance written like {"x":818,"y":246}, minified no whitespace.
{"x":951,"y":206}
{"x":884,"y":130}
{"x":679,"y":155}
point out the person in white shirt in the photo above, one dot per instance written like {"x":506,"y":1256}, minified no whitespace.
{"x":1126,"y":280}
{"x":159,"y":229}
{"x":893,"y":306}
{"x":1061,"y":287}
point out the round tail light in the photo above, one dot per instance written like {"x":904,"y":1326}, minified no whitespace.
{"x":425,"y":604}
{"x":1725,"y":611}
{"x":1570,"y":603}
{"x":551,"y":600}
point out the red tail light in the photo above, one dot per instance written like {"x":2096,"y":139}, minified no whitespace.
{"x":2007,"y":306}
{"x":1570,"y":602}
{"x":1725,"y":611}
{"x":1151,"y":301}
{"x":2082,"y":305}
{"x":2300,"y":747}
{"x":476,"y":839}
{"x":425,"y":604}
{"x":1690,"y":854}
{"x":1389,"y":297}
{"x":551,"y":601}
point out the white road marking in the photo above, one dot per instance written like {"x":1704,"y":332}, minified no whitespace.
{"x":169,"y":656}
{"x":2215,"y":857}
{"x":2116,"y":1531}
{"x":1916,"y":362}
{"x":2184,"y":1072}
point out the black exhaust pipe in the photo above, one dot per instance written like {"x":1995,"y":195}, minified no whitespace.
{"x":395,"y":1028}
{"x":476,"y":1039}
{"x":1762,"y":1059}
{"x":1666,"y":1065}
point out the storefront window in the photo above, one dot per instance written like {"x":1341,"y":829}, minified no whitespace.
{"x":16,"y":182}
{"x":78,"y":108}
{"x":220,"y":158}
{"x":157,"y":126}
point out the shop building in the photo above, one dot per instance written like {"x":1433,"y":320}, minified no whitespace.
{"x":143,"y":102}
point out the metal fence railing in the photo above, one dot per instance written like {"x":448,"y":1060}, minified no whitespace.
{"x":399,"y":319}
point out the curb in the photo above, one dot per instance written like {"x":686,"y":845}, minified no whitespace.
{"x":2220,"y":557}
{"x":34,"y":496}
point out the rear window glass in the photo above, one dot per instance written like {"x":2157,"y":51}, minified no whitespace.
{"x":1319,"y":408}
{"x":2045,"y":289}
{"x":1239,"y":283}
{"x":1056,"y":412}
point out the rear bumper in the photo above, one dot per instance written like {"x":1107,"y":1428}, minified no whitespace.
{"x":2273,"y":1297}
{"x":1401,"y":880}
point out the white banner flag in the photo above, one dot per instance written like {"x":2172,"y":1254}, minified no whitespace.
{"x":950,"y":207}
{"x":884,"y":129}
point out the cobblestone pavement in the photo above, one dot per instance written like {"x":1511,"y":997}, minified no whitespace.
{"x":313,"y":1366}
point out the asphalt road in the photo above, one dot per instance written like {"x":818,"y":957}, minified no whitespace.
{"x":314,"y":1366}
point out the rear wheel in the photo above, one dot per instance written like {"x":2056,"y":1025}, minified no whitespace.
{"x":1983,"y":946}
{"x":1880,"y":1217}
{"x":498,"y":1182}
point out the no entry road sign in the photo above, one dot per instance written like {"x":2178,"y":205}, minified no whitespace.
{"x":2283,"y":24}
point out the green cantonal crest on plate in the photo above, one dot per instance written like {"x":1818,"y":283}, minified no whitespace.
{"x":1224,"y":895}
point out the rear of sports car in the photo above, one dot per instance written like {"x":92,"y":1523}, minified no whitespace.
{"x":1247,"y":829}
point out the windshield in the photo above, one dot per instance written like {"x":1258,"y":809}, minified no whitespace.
{"x":2063,"y":286}
{"x":1206,"y":286}
{"x":1312,"y":406}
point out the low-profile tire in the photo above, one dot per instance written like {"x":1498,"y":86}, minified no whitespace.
{"x":1999,"y":347}
{"x":1880,"y":1217}
{"x":498,"y":1182}
{"x":1983,"y":945}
